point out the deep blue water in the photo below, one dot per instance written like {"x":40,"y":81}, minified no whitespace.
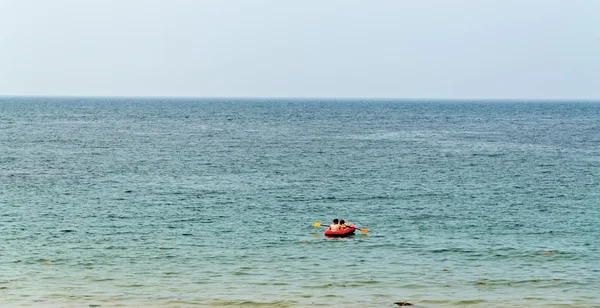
{"x":211,"y":202}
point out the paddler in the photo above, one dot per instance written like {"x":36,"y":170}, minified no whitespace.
{"x":335,"y":225}
{"x":343,"y":224}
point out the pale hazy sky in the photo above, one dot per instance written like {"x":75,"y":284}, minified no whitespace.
{"x":301,"y":48}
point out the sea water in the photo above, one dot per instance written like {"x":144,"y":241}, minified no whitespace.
{"x":108,"y":202}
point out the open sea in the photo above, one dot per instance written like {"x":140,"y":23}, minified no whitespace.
{"x":122,"y":202}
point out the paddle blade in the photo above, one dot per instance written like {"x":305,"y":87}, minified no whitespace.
{"x":365,"y":230}
{"x":317,"y":224}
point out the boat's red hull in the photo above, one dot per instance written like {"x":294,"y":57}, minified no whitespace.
{"x":341,"y":232}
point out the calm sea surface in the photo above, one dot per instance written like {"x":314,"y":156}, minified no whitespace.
{"x":209,"y":203}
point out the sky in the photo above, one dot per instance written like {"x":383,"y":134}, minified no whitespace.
{"x":450,"y":49}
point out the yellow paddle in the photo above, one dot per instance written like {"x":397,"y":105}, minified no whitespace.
{"x":317,"y":224}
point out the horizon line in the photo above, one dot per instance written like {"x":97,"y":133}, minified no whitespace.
{"x":299,"y":97}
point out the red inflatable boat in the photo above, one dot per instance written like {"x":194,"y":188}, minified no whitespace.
{"x":349,"y":230}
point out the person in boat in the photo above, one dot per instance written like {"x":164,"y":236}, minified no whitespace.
{"x":335,"y":225}
{"x":343,"y":224}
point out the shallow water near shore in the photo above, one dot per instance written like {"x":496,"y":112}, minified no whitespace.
{"x":211,"y":203}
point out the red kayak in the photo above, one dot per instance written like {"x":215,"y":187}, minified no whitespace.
{"x":349,"y":230}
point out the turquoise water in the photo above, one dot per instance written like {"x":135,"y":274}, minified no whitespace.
{"x":209,"y":203}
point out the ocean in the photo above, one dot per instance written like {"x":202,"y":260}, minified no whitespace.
{"x":158,"y":202}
